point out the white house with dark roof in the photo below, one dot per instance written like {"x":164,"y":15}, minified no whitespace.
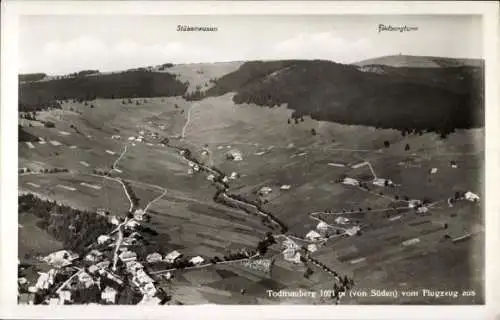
{"x":313,"y":236}
{"x":471,"y":196}
{"x":197,"y":260}
{"x":153,"y":257}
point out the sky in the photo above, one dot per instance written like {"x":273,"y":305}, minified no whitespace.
{"x":63,"y":44}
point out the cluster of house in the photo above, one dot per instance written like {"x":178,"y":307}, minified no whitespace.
{"x":82,"y":278}
{"x":322,"y":229}
{"x":172,"y":257}
{"x":141,"y":279}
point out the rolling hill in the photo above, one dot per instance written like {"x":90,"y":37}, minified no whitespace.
{"x":407,"y":99}
{"x":409,"y":61}
{"x":127,"y":84}
{"x":407,"y":93}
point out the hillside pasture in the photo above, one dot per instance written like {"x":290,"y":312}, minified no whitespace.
{"x":110,"y":197}
{"x":33,"y":241}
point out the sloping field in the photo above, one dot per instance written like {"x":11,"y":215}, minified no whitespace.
{"x":32,"y":240}
{"x":198,"y":75}
{"x":111,"y":196}
{"x":205,"y":228}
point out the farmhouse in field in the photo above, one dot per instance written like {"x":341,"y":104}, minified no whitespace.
{"x":352,"y":231}
{"x":414,"y":203}
{"x":313,"y":235}
{"x":196,"y":260}
{"x":341,"y":220}
{"x":234,"y":155}
{"x":265,"y":191}
{"x":285,"y":187}
{"x":471,"y":196}
{"x":422,"y":209}
{"x":234,"y":175}
{"x":382,"y":182}
{"x":350,"y":181}
{"x":172,"y":256}
{"x":434,"y":170}
{"x":410,"y":242}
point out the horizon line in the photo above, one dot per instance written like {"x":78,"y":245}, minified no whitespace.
{"x":254,"y":60}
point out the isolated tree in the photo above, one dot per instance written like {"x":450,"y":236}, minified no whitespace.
{"x":407,"y":147}
{"x":313,"y":132}
{"x":296,"y":121}
{"x":386,"y":144}
{"x":288,"y":120}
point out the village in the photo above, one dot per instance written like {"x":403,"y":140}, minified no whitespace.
{"x":111,"y":266}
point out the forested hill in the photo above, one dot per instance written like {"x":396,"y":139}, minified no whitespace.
{"x":407,"y":99}
{"x":409,"y":61}
{"x":128,"y":84}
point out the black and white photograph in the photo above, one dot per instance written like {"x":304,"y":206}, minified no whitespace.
{"x":251,"y":159}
